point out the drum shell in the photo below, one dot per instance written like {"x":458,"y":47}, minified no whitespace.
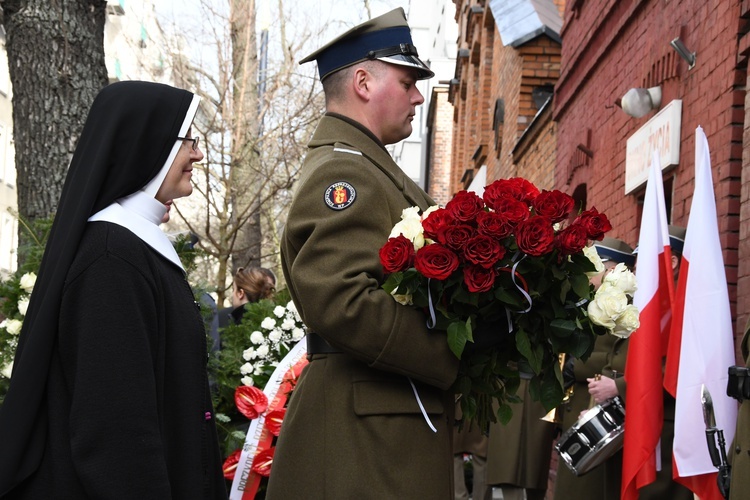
{"x":595,"y":437}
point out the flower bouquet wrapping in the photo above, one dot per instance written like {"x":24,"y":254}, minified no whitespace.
{"x":510,"y":264}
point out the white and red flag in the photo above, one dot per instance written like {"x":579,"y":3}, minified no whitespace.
{"x":647,"y":345}
{"x":701,"y":345}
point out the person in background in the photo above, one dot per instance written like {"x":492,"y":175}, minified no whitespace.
{"x":371,"y":415}
{"x":470,"y":441}
{"x":250,"y":284}
{"x":109,"y":396}
{"x":603,"y":373}
{"x":519,"y":453}
{"x":739,"y":452}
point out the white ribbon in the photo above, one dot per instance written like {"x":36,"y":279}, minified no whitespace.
{"x":421,"y":406}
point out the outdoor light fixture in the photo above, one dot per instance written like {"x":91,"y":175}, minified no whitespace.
{"x":683,"y":51}
{"x":639,"y":102}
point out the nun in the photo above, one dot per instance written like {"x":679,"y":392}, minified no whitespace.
{"x":109,"y":392}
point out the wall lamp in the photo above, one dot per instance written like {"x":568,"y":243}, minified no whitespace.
{"x":639,"y":102}
{"x":683,"y":51}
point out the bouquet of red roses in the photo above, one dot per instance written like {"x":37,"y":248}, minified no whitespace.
{"x":512,"y":258}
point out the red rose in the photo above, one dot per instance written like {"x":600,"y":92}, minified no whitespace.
{"x":483,"y":251}
{"x":465,"y":206}
{"x":523,"y":189}
{"x":435,"y":261}
{"x":494,"y":225}
{"x":513,"y":210}
{"x":554,"y":204}
{"x":433,"y":223}
{"x":397,"y":254}
{"x":263,"y":461}
{"x":571,"y":240}
{"x":455,"y":237}
{"x":273,"y":421}
{"x":478,"y":278}
{"x":230,"y":464}
{"x":596,"y":224}
{"x":517,"y":188}
{"x":250,"y":401}
{"x":535,"y":236}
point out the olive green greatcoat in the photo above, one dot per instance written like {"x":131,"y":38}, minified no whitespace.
{"x":519,"y":453}
{"x":739,"y":453}
{"x":608,"y":358}
{"x":354,"y":428}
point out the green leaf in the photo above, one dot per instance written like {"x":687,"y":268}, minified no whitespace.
{"x":458,"y":334}
{"x":504,"y":413}
{"x":581,"y":285}
{"x":563,"y":327}
{"x":532,"y":353}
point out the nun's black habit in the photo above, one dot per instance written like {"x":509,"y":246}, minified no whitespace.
{"x":109,"y":395}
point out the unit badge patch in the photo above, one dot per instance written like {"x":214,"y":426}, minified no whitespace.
{"x":340,"y":195}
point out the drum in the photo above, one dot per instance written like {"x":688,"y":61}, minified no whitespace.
{"x":595,"y":437}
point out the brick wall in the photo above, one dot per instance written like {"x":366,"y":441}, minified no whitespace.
{"x":613,"y":46}
{"x":441,"y":145}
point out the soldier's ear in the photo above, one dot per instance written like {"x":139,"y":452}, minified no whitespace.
{"x":362,"y":81}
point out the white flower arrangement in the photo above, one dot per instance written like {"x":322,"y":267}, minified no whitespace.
{"x":12,"y":325}
{"x":612,"y":306}
{"x":274,"y":339}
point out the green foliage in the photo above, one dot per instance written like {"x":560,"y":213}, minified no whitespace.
{"x":12,"y":293}
{"x":225,"y":365}
{"x":554,"y":322}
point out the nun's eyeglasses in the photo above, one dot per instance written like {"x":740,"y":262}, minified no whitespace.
{"x":193,"y":139}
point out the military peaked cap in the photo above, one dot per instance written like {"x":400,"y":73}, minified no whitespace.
{"x":386,"y":38}
{"x":615,"y":250}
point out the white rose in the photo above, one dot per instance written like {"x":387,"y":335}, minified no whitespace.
{"x":275,"y":335}
{"x":247,"y":369}
{"x":7,"y":370}
{"x":593,"y":256}
{"x":247,"y":381}
{"x":622,"y":278}
{"x":411,"y":229}
{"x":288,"y":324}
{"x":427,"y":212}
{"x":297,"y":334}
{"x":404,"y":299}
{"x":249,"y":354}
{"x":611,"y":300}
{"x":262,"y":351}
{"x":27,"y":282}
{"x":12,"y":326}
{"x":257,"y":338}
{"x":608,"y":304}
{"x":258,"y":370}
{"x":279,"y":311}
{"x":268,"y":324}
{"x":291,"y":307}
{"x":23,"y":306}
{"x":627,"y":323}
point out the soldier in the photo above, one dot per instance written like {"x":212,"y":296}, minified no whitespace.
{"x":354,"y":427}
{"x":603,"y":373}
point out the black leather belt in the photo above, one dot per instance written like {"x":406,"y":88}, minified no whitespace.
{"x":318,"y":345}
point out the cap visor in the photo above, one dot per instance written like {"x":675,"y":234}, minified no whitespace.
{"x":410,"y":61}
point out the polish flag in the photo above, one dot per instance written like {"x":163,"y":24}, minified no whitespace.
{"x":700,"y":346}
{"x":647,"y":345}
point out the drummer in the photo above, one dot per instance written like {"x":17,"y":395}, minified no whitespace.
{"x":594,"y":381}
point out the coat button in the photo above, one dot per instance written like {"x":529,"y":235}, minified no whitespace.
{"x":737,"y":449}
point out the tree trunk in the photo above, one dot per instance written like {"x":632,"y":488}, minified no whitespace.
{"x":56,"y":61}
{"x":245,"y":184}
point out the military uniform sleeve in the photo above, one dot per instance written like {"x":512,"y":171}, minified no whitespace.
{"x":335,"y":274}
{"x":108,"y":335}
